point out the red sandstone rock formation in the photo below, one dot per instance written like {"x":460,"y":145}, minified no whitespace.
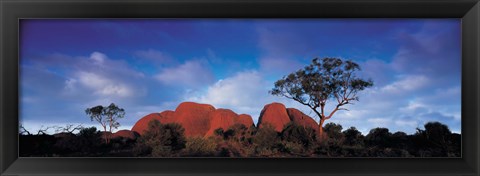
{"x":298,"y":117}
{"x":203,"y":119}
{"x":275,"y":114}
{"x":194,"y":117}
{"x":222,"y":118}
{"x":245,"y":119}
{"x":142,"y":124}
{"x":163,"y":117}
{"x":197,"y":119}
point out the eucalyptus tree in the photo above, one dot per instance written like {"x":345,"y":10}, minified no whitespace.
{"x":107,"y":116}
{"x":323,"y":80}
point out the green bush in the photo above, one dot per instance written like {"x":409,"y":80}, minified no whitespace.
{"x":265,"y":140}
{"x":334,"y":133}
{"x":198,"y":146}
{"x":306,"y":137}
{"x":353,"y":137}
{"x":162,"y":140}
{"x":379,"y":137}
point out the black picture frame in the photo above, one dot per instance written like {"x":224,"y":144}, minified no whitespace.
{"x":13,"y":10}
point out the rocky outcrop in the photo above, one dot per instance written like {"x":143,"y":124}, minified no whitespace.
{"x":278,"y":116}
{"x":203,"y":119}
{"x":194,"y":117}
{"x":245,"y":119}
{"x":222,"y":118}
{"x":298,"y":117}
{"x":274,"y":114}
{"x":197,"y":119}
{"x":142,"y":124}
{"x":163,"y":117}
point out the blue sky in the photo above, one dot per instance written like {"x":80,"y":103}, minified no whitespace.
{"x":152,"y":65}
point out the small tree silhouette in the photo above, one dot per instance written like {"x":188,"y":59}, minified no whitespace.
{"x":106,"y":116}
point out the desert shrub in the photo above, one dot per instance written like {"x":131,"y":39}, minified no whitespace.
{"x":334,"y":134}
{"x":236,"y":141}
{"x":265,"y":140}
{"x":88,"y":140}
{"x":435,"y":140}
{"x":161,"y":140}
{"x":293,"y":148}
{"x":437,"y":134}
{"x":233,"y":148}
{"x":198,"y":146}
{"x":66,"y":144}
{"x":400,"y":140}
{"x":237,"y":132}
{"x":378,"y":137}
{"x":305,"y":137}
{"x":242,"y":133}
{"x":353,"y":137}
{"x":218,"y":132}
{"x":353,"y":151}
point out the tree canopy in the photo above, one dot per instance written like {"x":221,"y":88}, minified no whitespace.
{"x":107,"y":116}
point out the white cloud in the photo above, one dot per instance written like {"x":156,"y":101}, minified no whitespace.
{"x":98,"y":57}
{"x":102,"y":77}
{"x":238,"y":90}
{"x":245,"y":92}
{"x":192,"y":73}
{"x":407,"y":84}
{"x":102,"y":85}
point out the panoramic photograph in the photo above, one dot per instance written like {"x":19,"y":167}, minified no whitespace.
{"x":241,"y":88}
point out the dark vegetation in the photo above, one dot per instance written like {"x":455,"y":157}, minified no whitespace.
{"x":168,"y":140}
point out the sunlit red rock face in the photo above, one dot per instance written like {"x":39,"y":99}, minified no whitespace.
{"x":197,"y":119}
{"x":245,"y":119}
{"x":222,"y":118}
{"x":225,"y":118}
{"x":163,"y":117}
{"x":298,"y":117}
{"x":194,"y":117}
{"x":278,"y":116}
{"x":274,"y":114}
{"x":203,"y":119}
{"x":142,"y":124}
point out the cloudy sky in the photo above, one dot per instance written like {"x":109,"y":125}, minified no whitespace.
{"x":150,"y":66}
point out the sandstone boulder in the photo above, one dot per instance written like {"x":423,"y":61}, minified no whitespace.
{"x":142,"y":124}
{"x":245,"y":119}
{"x":299,"y":118}
{"x":274,"y":114}
{"x":222,"y":118}
{"x":194,"y":117}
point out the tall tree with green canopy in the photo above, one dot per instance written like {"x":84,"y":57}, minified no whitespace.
{"x":107,"y":117}
{"x":324,"y":79}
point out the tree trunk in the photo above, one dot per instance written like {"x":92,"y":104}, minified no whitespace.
{"x":320,"y":130}
{"x":105,"y":134}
